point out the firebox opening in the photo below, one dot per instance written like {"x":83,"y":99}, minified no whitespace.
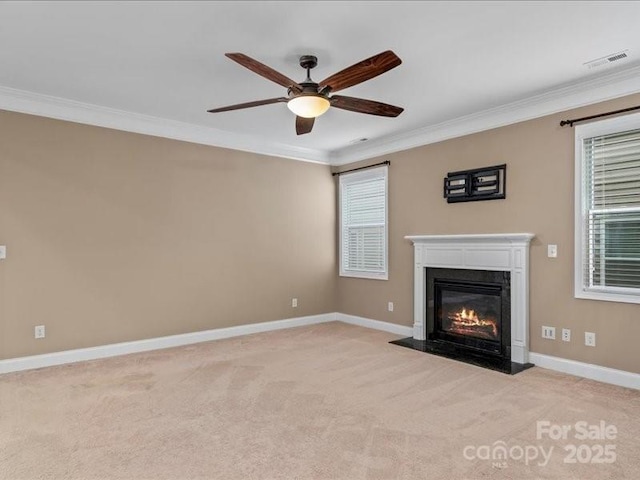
{"x":469,"y":314}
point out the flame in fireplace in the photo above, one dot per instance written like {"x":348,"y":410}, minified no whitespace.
{"x":467,"y":322}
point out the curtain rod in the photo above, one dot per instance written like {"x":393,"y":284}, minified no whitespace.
{"x":387,"y":162}
{"x":583,"y":119}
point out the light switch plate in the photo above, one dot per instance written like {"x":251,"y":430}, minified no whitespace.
{"x":3,"y":252}
{"x":552,"y":251}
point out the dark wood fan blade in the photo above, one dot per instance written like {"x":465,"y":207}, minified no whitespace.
{"x":361,"y":105}
{"x":257,"y":103}
{"x":304,"y":125}
{"x":263,"y":70}
{"x":361,"y":71}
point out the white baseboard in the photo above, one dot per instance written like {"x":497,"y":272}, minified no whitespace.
{"x":586,"y":370}
{"x":112,"y":350}
{"x":375,"y":324}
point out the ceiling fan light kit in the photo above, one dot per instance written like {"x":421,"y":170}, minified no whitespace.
{"x":308,"y":106}
{"x":308,"y":99}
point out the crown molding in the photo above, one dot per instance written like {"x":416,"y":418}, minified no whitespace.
{"x":567,"y":97}
{"x":70,"y":110}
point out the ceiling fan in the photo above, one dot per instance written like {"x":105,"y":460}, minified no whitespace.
{"x":308,"y":100}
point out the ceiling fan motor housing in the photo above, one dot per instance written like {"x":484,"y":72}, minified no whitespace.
{"x":308,"y":102}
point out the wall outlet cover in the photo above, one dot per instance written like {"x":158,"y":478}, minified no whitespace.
{"x":549,"y":332}
{"x":590,"y":339}
{"x":39,"y":331}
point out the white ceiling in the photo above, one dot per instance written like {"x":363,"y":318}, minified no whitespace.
{"x":156,"y":67}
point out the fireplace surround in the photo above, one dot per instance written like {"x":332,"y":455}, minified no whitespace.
{"x":486,"y":273}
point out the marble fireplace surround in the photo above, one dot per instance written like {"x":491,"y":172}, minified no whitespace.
{"x":502,"y":252}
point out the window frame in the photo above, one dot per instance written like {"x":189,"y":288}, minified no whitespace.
{"x":582,"y":132}
{"x":359,"y":176}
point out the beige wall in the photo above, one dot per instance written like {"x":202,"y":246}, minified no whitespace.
{"x":540,"y":159}
{"x":114,"y":236}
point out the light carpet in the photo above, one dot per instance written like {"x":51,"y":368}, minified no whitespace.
{"x":329,"y":401}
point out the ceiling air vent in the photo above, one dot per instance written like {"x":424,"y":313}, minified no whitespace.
{"x":617,"y":56}
{"x":606,"y":60}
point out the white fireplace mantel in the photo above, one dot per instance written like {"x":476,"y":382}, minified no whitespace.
{"x":507,"y":252}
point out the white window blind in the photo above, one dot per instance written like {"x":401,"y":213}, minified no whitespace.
{"x":363,"y":223}
{"x":610,"y":235}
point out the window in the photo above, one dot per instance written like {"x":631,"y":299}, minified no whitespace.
{"x":363,"y":224}
{"x":608,"y":210}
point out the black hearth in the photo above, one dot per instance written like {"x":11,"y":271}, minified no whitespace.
{"x":468,"y":317}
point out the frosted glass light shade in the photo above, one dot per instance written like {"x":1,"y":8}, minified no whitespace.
{"x":308,"y":106}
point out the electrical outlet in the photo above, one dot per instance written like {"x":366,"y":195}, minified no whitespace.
{"x":552,"y":251}
{"x":294,"y":302}
{"x":390,"y":306}
{"x":566,"y":335}
{"x":590,"y":339}
{"x":39,"y":331}
{"x":549,"y":332}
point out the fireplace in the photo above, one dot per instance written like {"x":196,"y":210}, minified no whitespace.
{"x":469,"y":312}
{"x":471,"y":298}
